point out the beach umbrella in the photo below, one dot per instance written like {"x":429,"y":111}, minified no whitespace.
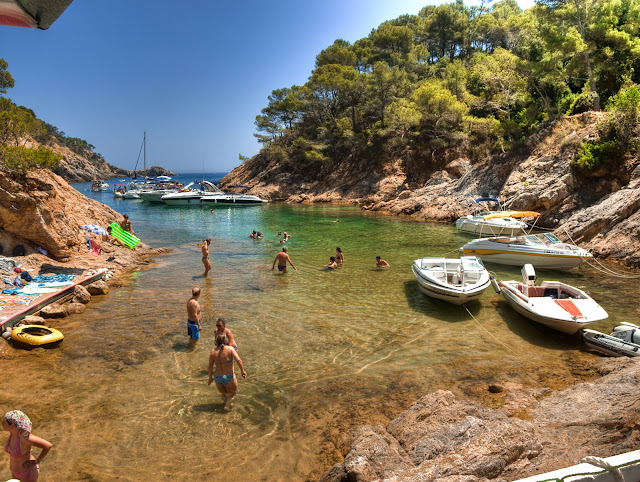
{"x":92,"y":228}
{"x":31,"y":13}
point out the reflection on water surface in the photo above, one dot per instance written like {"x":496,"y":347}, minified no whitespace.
{"x":325,"y":351}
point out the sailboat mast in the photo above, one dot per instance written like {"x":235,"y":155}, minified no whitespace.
{"x":145,"y":152}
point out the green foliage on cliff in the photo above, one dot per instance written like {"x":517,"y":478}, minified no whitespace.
{"x":19,"y":126}
{"x":474,"y":80}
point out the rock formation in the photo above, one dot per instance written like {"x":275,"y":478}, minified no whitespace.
{"x":598,"y":208}
{"x":440,"y":438}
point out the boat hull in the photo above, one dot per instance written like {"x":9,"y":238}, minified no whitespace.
{"x":450,"y":294}
{"x":610,"y":345}
{"x":538,"y":260}
{"x":233,"y":201}
{"x":487,"y":229}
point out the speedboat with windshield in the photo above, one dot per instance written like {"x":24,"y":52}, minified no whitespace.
{"x":193,"y":196}
{"x":543,"y":250}
{"x":554,"y":304}
{"x":98,"y":186}
{"x":454,"y":280}
{"x":156,"y":190}
{"x":234,"y":200}
{"x":494,"y":223}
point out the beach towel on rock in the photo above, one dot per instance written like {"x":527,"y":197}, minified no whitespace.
{"x":95,"y":247}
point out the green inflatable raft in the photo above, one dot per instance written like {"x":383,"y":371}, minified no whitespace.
{"x":123,"y":236}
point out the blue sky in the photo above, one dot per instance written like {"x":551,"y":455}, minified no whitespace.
{"x":194,"y":74}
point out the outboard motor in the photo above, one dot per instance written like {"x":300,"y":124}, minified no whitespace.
{"x":627,"y":333}
{"x":528,"y":275}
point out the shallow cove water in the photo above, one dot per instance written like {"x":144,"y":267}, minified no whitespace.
{"x":325,"y":351}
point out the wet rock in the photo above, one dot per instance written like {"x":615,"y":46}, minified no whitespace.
{"x":33,"y":320}
{"x":81,"y":295}
{"x":98,"y":288}
{"x":53,"y":311}
{"x":493,"y":388}
{"x":76,"y":308}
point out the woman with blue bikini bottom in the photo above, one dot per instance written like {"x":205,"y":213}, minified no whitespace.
{"x":222,"y":357}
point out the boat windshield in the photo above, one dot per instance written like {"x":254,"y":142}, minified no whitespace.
{"x":471,"y":263}
{"x":551,"y":237}
{"x":533,"y":239}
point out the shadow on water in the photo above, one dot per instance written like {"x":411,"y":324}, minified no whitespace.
{"x":438,"y":309}
{"x":533,"y":332}
{"x":210,"y":408}
{"x":183,"y":346}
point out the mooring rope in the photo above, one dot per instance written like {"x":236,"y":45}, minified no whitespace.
{"x":602,"y":268}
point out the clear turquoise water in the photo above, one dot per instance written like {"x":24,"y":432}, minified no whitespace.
{"x":325,"y":351}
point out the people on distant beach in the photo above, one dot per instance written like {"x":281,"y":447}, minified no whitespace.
{"x":126,"y":224}
{"x":282,"y":258}
{"x":205,"y":256}
{"x":221,"y":329}
{"x":339,"y":255}
{"x":23,"y":465}
{"x":194,"y":315}
{"x":221,"y":358}
{"x":381,"y":263}
{"x":332,"y":263}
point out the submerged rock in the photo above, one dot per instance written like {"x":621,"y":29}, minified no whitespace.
{"x":441,"y":438}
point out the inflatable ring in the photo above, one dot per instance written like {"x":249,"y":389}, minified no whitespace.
{"x":36,"y":335}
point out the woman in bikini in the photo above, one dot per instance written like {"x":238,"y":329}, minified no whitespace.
{"x":339,"y":255}
{"x":222,"y":357}
{"x":221,"y":329}
{"x":205,"y":256}
{"x":24,"y":466}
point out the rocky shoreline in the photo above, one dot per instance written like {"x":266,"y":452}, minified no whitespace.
{"x":599,"y":208}
{"x":535,"y":431}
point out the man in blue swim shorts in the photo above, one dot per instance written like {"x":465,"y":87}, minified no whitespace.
{"x":194,"y":315}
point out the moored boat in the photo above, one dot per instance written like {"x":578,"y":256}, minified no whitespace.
{"x":552,"y":303}
{"x":543,"y":250}
{"x":98,"y":186}
{"x":494,"y":223}
{"x":193,"y":197}
{"x":623,"y":341}
{"x":454,"y":280}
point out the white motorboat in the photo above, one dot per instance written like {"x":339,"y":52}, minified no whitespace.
{"x":119,"y":190}
{"x":233,"y":200}
{"x":193,"y":197}
{"x":454,"y":280}
{"x":542,"y":250}
{"x":156,"y":190}
{"x":495,"y":223}
{"x":623,"y":341}
{"x":554,"y":304}
{"x":98,"y":186}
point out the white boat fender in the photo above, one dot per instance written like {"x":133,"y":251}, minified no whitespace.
{"x":494,"y":283}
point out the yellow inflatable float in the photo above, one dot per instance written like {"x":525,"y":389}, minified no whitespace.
{"x":36,"y":335}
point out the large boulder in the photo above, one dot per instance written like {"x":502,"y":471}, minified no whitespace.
{"x":98,"y":288}
{"x":53,"y":311}
{"x":81,"y":295}
{"x":76,"y":308}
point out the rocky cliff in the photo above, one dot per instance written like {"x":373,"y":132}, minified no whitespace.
{"x":88,"y":166}
{"x":597,"y":208}
{"x":440,"y":438}
{"x":41,"y":210}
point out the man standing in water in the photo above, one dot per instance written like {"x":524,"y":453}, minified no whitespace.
{"x":282,"y":259}
{"x":222,"y":357}
{"x":194,"y":315}
{"x":205,"y":256}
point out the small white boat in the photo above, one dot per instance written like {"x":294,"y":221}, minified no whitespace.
{"x":98,"y":186}
{"x":554,"y":304}
{"x":542,"y":250}
{"x":454,"y":280}
{"x":494,"y":223}
{"x":623,"y":341}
